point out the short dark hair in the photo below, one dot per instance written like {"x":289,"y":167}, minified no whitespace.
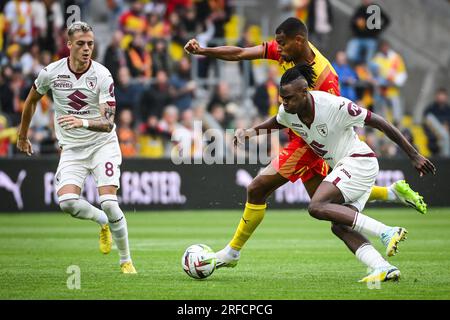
{"x":300,"y":71}
{"x":292,"y":27}
{"x":442,"y":90}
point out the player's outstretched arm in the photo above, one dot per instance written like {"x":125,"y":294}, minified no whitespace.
{"x":268,"y":125}
{"x":229,"y":53}
{"x":262,"y":128}
{"x":104,"y":124}
{"x":23,"y":144}
{"x":422,"y":164}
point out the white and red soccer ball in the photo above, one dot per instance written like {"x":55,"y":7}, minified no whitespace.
{"x":199,"y":261}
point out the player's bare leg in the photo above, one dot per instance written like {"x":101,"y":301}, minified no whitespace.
{"x":324,"y":206}
{"x":262,"y":186}
{"x":360,"y":246}
{"x":380,"y":269}
{"x":118,"y":226}
{"x":258,"y":191}
{"x":70,"y":202}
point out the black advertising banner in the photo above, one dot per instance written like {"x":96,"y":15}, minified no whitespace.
{"x":28,"y":185}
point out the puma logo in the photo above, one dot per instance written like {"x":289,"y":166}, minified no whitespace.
{"x":245,"y":221}
{"x":14,"y":188}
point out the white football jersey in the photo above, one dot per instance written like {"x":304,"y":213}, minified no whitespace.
{"x":331,"y":134}
{"x":78,"y":94}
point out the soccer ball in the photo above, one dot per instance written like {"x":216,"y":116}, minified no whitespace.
{"x":199,"y":261}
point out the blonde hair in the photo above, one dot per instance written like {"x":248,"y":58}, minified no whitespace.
{"x":78,"y":26}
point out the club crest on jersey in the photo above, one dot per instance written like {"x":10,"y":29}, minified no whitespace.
{"x":322,"y":129}
{"x":91,"y":82}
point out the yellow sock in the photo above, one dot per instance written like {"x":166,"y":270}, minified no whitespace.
{"x":379,"y":193}
{"x":253,"y":215}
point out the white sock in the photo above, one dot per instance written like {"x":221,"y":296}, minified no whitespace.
{"x":117,"y":224}
{"x":231,"y":252}
{"x":368,"y":255}
{"x":368,"y":226}
{"x":391,"y":195}
{"x":81,"y":209}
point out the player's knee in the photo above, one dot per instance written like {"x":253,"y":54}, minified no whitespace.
{"x":111,"y":208}
{"x":108,"y":205}
{"x":256,"y":191}
{"x":69,"y":206}
{"x":69,"y":203}
{"x":316,"y":210}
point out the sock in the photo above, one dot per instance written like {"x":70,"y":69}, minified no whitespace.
{"x":368,"y":255}
{"x":81,"y":209}
{"x":253,"y":215}
{"x":391,"y":196}
{"x":231,"y":252}
{"x":368,"y":225}
{"x":378,"y":193}
{"x":117,"y":224}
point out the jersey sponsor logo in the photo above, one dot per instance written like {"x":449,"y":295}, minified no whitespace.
{"x":62,"y":84}
{"x":77,"y":100}
{"x":91,"y":82}
{"x":79,"y":113}
{"x":353,"y":109}
{"x":63,"y":76}
{"x":322,"y":129}
{"x":298,"y":125}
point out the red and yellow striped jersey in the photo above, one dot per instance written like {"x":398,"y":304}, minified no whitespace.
{"x":327,"y":78}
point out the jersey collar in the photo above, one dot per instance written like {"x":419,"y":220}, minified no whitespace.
{"x":78,"y":74}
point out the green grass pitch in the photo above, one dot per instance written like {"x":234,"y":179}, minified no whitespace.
{"x":290,"y":256}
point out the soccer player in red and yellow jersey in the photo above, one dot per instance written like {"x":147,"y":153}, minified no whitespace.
{"x":296,"y":160}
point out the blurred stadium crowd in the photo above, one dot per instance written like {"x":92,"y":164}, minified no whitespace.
{"x":161,"y":90}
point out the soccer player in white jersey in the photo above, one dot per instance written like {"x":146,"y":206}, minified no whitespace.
{"x":83,"y":94}
{"x":326,"y":122}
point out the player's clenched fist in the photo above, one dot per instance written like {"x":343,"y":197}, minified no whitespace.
{"x":70,"y":122}
{"x":241,"y":134}
{"x":192,"y":46}
{"x":239,"y":137}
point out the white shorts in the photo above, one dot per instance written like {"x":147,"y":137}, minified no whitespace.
{"x":355,"y":178}
{"x":102,"y":161}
